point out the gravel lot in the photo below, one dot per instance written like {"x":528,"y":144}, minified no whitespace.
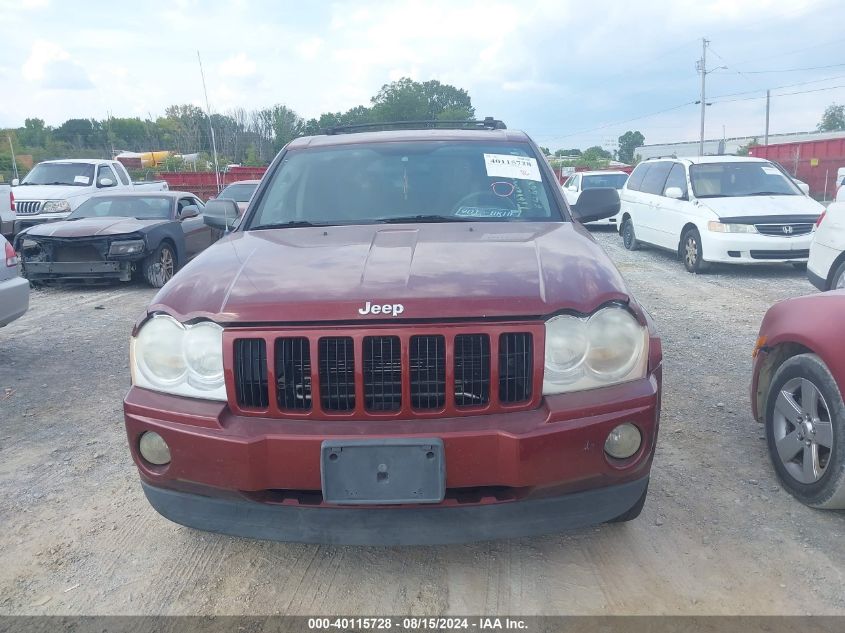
{"x":717,"y":535}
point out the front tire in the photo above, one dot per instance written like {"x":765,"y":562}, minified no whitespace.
{"x":838,"y":281}
{"x":160,"y":267}
{"x":692,"y":253}
{"x":629,"y":237}
{"x":805,"y":432}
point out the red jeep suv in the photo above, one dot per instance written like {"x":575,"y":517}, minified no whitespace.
{"x":407,"y":338}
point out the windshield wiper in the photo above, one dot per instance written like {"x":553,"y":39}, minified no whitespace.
{"x":771,"y":193}
{"x":414,"y":219}
{"x":286,"y":225}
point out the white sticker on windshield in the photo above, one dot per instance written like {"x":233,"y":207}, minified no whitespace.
{"x":487,"y":212}
{"x":83,"y":180}
{"x":772,"y":171}
{"x":507,"y":166}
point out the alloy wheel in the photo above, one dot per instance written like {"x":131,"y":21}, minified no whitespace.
{"x":691,"y":251}
{"x":802,"y":430}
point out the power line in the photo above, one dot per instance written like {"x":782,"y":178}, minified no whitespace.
{"x":800,"y":83}
{"x":783,"y":94}
{"x":607,"y":125}
{"x":790,"y":70}
{"x":792,"y":52}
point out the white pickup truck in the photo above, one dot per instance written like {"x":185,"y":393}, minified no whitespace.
{"x":54,"y":188}
{"x":7,"y":211}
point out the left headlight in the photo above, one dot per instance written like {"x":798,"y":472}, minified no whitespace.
{"x":126,"y":247}
{"x":608,"y":347}
{"x":186,"y":360}
{"x":55,"y":206}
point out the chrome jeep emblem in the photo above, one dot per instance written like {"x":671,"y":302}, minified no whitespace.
{"x":389,"y":309}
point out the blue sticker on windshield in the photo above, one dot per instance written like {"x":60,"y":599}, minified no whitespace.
{"x":487,"y":212}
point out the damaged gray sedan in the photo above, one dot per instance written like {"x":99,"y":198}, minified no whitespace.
{"x":117,"y":237}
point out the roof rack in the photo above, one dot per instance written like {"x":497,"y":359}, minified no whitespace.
{"x":664,"y":157}
{"x":489,"y":123}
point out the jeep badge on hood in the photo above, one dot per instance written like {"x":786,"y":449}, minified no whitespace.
{"x":394,"y":309}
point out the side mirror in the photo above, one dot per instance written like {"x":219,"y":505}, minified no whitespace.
{"x":15,"y":182}
{"x":105,"y":182}
{"x":221,"y":213}
{"x":676,"y":193}
{"x":596,"y":204}
{"x":189,"y":211}
{"x":572,"y":188}
{"x":803,"y":186}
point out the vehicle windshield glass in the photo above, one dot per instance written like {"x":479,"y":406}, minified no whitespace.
{"x":238,"y":193}
{"x":731,"y":180}
{"x":616,"y":181}
{"x":73,"y":174}
{"x":142,"y":208}
{"x":424,"y":181}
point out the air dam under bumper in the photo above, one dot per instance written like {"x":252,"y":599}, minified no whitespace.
{"x":396,"y":526}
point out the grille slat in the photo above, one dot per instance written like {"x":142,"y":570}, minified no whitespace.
{"x":293,"y":373}
{"x":251,"y":388}
{"x":515,"y":367}
{"x":472,"y":370}
{"x":428,"y":372}
{"x":337,"y":373}
{"x":382,"y":373}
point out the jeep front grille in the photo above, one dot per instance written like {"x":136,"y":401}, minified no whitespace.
{"x":386,"y":372}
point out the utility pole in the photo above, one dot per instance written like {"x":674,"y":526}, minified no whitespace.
{"x":766,"y":137}
{"x":702,"y":68}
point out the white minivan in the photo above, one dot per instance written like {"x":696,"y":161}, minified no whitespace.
{"x":826,"y":268}
{"x":729,"y":209}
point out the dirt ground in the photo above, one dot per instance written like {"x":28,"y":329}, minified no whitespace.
{"x":717,"y":535}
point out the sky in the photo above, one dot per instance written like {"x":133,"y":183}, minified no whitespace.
{"x":571,"y":74}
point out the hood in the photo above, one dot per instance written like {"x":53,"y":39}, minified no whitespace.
{"x":434,"y":271}
{"x":753,"y":206}
{"x":49,"y":192}
{"x":91,"y":227}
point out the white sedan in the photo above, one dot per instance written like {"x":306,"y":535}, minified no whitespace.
{"x":580,"y":181}
{"x":826,"y":267}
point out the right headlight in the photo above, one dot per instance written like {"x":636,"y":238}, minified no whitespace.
{"x":186,"y":360}
{"x":55,"y":206}
{"x":608,"y":347}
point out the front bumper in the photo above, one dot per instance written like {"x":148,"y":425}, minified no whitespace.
{"x":396,"y":526}
{"x":260,"y":466}
{"x":78,"y":271}
{"x":750,"y":248}
{"x":14,"y":299}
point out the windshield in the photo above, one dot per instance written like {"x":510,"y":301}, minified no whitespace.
{"x":615,"y":181}
{"x":732,"y":180}
{"x":73,"y":174}
{"x":426,"y":181}
{"x":238,"y":193}
{"x":142,"y":208}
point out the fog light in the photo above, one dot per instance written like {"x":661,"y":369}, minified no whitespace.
{"x":623,"y":441}
{"x":154,"y":449}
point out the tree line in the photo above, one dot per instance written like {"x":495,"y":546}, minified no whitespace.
{"x":247,"y":137}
